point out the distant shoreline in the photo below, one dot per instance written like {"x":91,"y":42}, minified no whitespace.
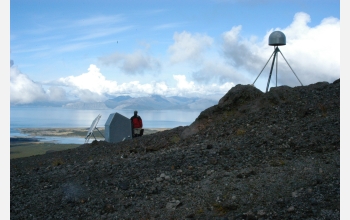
{"x":75,"y":132}
{"x":31,"y":145}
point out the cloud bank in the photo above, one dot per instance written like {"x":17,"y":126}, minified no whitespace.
{"x":24,"y":91}
{"x":93,"y":86}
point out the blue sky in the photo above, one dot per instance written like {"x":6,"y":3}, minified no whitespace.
{"x":94,"y":50}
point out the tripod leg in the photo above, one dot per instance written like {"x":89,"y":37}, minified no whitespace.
{"x":263,"y":67}
{"x":273,"y":62}
{"x":291,"y":68}
{"x":100,"y":132}
{"x":276,"y":67}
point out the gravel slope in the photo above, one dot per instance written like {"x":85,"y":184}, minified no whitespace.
{"x":251,"y":156}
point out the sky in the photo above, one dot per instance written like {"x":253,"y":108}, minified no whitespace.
{"x":95,"y":50}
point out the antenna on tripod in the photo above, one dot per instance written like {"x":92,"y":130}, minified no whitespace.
{"x":276,"y":38}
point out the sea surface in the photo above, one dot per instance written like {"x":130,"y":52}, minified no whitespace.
{"x":56,"y":117}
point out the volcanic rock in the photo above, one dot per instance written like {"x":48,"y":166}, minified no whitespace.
{"x":254,"y":155}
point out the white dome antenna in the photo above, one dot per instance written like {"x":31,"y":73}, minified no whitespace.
{"x":276,"y":38}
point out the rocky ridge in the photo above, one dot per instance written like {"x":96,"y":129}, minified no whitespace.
{"x":254,"y":155}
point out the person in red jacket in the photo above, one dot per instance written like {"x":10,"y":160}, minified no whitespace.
{"x":136,"y":125}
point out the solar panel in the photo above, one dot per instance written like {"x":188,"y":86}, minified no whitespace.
{"x":92,"y":128}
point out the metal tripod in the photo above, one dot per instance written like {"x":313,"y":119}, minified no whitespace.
{"x":92,"y":133}
{"x":275,"y":57}
{"x":92,"y":128}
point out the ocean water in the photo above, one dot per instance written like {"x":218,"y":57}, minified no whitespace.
{"x":56,"y":117}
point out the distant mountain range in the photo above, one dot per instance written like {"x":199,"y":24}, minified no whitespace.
{"x":154,"y":102}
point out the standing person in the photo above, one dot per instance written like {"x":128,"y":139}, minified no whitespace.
{"x":136,"y":125}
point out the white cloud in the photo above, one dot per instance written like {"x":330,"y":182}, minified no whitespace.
{"x":23,"y":90}
{"x":190,"y":88}
{"x":241,"y":52}
{"x":100,"y":32}
{"x":166,"y":26}
{"x":315,"y":52}
{"x":98,"y":21}
{"x":56,"y":93}
{"x":136,"y":63}
{"x":220,"y":72}
{"x":188,"y":47}
{"x":312,"y":52}
{"x":182,"y":83}
{"x":90,"y":86}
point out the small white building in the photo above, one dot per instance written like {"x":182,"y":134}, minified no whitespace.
{"x":117,"y":128}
